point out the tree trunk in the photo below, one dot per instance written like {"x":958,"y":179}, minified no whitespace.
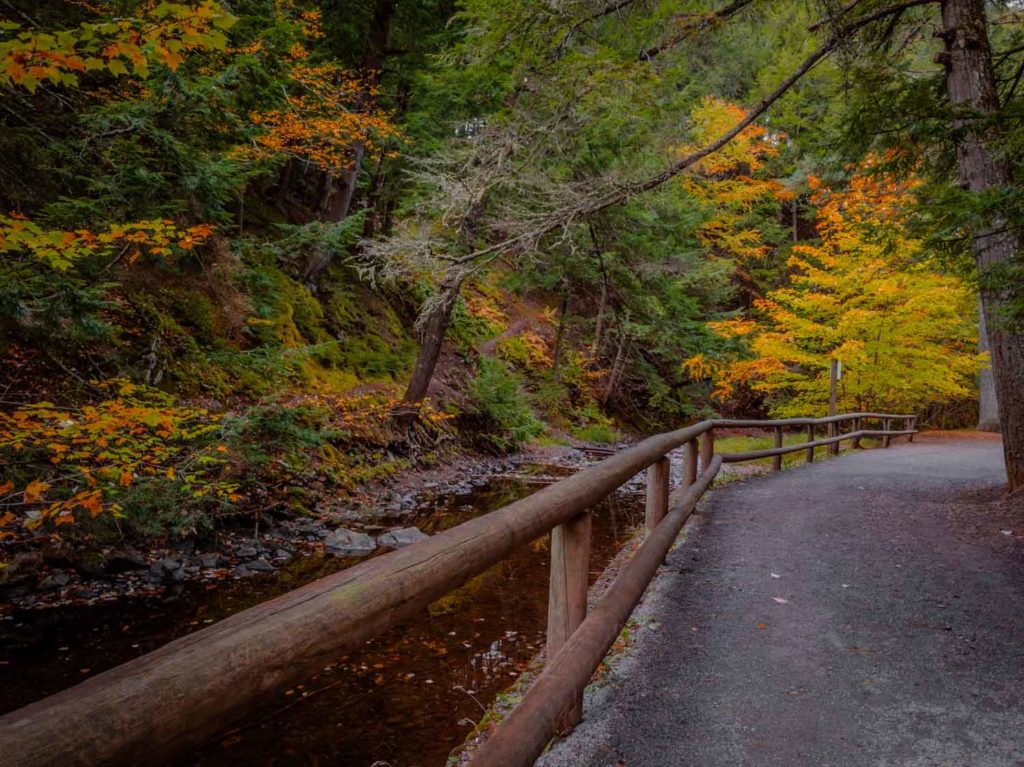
{"x":616,"y":373}
{"x":599,"y":326}
{"x":432,"y":338}
{"x":556,"y":350}
{"x":603,"y":301}
{"x":988,"y":406}
{"x":970,"y":85}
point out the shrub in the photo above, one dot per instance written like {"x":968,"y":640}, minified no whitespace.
{"x":527,"y":351}
{"x":596,"y":432}
{"x":497,"y":396}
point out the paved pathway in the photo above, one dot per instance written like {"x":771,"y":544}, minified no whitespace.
{"x":860,"y":611}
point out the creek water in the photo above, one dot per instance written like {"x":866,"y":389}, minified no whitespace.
{"x":406,"y":700}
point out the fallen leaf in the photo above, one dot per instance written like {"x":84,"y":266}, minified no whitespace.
{"x":775,"y":575}
{"x":761,"y":626}
{"x":781,"y":601}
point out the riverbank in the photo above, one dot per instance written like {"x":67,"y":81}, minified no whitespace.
{"x":409,"y":697}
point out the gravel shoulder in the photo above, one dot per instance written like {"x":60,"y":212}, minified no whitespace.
{"x":868,"y":610}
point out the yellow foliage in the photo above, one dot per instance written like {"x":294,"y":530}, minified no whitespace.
{"x":727,"y":181}
{"x":528,"y":350}
{"x":904,"y":333}
{"x":90,"y":453}
{"x":60,"y":249}
{"x":119,"y":46}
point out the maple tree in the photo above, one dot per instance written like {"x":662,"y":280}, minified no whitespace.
{"x":78,"y":461}
{"x":164,"y":33}
{"x":731,"y":183}
{"x":60,"y":249}
{"x":330,"y":110}
{"x":865,"y":296}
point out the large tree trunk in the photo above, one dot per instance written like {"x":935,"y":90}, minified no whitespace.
{"x":432,"y":337}
{"x":988,"y":405}
{"x":970,"y":84}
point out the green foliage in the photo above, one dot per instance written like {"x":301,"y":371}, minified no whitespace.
{"x":497,"y":397}
{"x":596,"y":432}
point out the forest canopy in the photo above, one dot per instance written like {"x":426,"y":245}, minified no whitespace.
{"x":254,"y":254}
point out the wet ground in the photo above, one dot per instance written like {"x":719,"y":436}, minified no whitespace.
{"x":407,"y":700}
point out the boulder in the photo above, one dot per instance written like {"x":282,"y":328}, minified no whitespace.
{"x":349,"y":543}
{"x":122,"y":560}
{"x":260,"y":566}
{"x":403,"y":536}
{"x":55,"y":580}
{"x":210,"y":559}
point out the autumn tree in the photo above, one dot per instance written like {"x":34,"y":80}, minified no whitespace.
{"x":742,"y":200}
{"x":866,"y":296}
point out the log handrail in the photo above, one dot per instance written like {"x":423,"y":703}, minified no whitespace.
{"x":170,"y":700}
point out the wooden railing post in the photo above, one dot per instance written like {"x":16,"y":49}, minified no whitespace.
{"x":911,"y":424}
{"x":567,"y":594}
{"x":856,"y":427}
{"x":887,"y":425}
{"x":707,"y":449}
{"x":690,"y":474}
{"x":833,"y":449}
{"x":657,"y":493}
{"x":777,"y":441}
{"x":810,"y":438}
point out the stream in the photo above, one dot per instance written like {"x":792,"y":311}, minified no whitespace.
{"x":408,"y":699}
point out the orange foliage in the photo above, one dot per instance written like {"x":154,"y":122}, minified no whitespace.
{"x":117,"y":46}
{"x":864,"y":296}
{"x":60,"y":249}
{"x":727,"y":180}
{"x":331,"y":112}
{"x":85,"y":456}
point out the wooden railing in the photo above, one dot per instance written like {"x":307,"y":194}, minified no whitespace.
{"x":168,"y":701}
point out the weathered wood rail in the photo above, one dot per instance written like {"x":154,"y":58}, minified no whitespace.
{"x":160,"y":705}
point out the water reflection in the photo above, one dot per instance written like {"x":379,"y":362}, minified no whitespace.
{"x":406,"y":700}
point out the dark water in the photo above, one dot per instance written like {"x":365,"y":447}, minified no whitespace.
{"x":407,"y":699}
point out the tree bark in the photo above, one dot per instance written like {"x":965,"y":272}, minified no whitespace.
{"x":971,"y":88}
{"x":603,"y":300}
{"x":988,"y":406}
{"x":432,"y":337}
{"x":556,"y":350}
{"x":616,"y":373}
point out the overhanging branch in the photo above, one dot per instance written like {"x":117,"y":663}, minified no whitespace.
{"x":601,"y":201}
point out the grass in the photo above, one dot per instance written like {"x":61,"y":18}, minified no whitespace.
{"x":743,"y":444}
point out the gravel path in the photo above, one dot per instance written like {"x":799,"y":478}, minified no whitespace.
{"x":831,"y":615}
